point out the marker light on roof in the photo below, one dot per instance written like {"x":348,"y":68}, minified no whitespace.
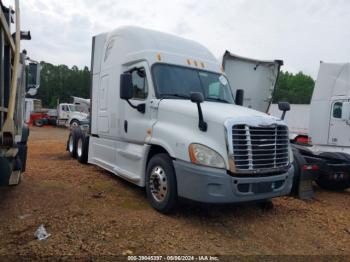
{"x":159,"y":58}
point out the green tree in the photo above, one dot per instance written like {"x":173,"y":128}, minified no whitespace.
{"x":294,"y":88}
{"x":59,"y":83}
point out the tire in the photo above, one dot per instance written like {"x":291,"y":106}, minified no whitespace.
{"x":72,"y":142}
{"x":74,"y":123}
{"x":38,"y":122}
{"x":161,"y":186}
{"x":83,"y":149}
{"x":328,"y":179}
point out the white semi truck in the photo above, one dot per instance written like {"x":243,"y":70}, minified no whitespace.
{"x":325,"y":122}
{"x":163,"y":117}
{"x":329,"y":126}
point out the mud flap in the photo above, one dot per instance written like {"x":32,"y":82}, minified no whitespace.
{"x":6,"y":167}
{"x":10,"y":171}
{"x":303,"y":177}
{"x":22,"y":154}
{"x":305,"y":188}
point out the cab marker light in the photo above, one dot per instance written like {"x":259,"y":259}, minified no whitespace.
{"x":202,"y":64}
{"x":159,"y":58}
{"x":195,"y":63}
{"x":188,"y":61}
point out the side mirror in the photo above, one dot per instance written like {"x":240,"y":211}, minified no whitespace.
{"x":284,"y":107}
{"x":33,"y":78}
{"x":239,"y":97}
{"x":126,"y":92}
{"x":345,"y":114}
{"x":198,"y":98}
{"x":126,"y":89}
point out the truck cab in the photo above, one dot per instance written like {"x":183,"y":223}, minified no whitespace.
{"x":330,"y":109}
{"x":163,"y":116}
{"x":70,"y":115}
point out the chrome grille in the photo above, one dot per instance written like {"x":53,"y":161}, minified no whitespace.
{"x":260,"y":147}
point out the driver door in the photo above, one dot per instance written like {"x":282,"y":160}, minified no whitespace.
{"x":135,"y":123}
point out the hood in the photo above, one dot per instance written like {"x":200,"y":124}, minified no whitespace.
{"x":217,"y":112}
{"x":78,"y":114}
{"x":256,"y":77}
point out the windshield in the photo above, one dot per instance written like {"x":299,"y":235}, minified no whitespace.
{"x":178,"y":82}
{"x":72,"y":108}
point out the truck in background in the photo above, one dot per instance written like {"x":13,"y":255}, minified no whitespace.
{"x":257,"y":79}
{"x":72,"y":115}
{"x":325,"y":122}
{"x":66,"y":114}
{"x":163,"y":117}
{"x":17,"y":78}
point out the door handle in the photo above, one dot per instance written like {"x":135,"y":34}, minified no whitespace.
{"x":125,"y":126}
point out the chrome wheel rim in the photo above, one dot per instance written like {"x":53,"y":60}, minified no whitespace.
{"x":158,"y":184}
{"x":71,"y":146}
{"x":80,"y":147}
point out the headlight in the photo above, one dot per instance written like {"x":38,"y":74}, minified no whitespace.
{"x":291,"y":156}
{"x":205,"y":156}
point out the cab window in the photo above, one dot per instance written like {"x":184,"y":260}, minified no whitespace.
{"x":337,"y":109}
{"x":139,"y":83}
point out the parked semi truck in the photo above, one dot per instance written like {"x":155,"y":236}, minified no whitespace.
{"x":67,"y":114}
{"x":163,"y":117}
{"x":327,"y":161}
{"x":17,"y":78}
{"x":329,"y":126}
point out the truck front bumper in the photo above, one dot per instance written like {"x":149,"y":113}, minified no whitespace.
{"x":212,"y":185}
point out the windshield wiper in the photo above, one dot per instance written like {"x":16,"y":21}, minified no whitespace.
{"x":174,"y":95}
{"x":217,"y":99}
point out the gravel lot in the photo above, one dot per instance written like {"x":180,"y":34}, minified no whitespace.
{"x":91,"y":212}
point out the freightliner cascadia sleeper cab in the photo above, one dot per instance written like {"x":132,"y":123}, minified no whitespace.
{"x":163,"y":117}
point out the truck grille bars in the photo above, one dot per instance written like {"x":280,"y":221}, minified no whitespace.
{"x":259,"y":148}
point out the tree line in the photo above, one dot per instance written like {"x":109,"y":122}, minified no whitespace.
{"x":59,"y":83}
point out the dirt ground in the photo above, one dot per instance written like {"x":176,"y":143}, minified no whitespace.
{"x":90,"y":212}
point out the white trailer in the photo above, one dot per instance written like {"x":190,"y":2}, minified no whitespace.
{"x":163,"y":117}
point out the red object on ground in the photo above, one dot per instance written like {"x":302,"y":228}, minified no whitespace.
{"x":34,"y":116}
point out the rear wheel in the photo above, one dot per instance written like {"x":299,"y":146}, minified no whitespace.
{"x":83,"y":149}
{"x":38,"y":122}
{"x":161,"y":183}
{"x":72,"y":143}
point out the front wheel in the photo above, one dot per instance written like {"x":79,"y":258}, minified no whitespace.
{"x":74,"y":123}
{"x":161,"y":185}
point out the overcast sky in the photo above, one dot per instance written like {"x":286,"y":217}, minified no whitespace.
{"x":299,"y":32}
